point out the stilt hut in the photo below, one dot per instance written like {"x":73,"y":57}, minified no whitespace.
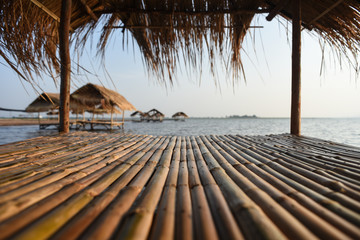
{"x":180,"y":116}
{"x":97,"y":98}
{"x":155,"y":115}
{"x":45,"y":102}
{"x":138,"y":116}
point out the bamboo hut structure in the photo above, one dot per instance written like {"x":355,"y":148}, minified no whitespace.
{"x":180,"y":116}
{"x":154,"y":115}
{"x":97,"y":99}
{"x":45,"y":102}
{"x":142,"y":116}
{"x":162,"y":30}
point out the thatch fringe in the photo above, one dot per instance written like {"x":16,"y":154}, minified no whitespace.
{"x":212,"y":30}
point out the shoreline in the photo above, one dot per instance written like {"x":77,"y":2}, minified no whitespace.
{"x":23,"y":121}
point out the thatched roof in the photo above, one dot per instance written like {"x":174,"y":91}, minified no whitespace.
{"x":155,"y":112}
{"x":95,"y":96}
{"x":101,"y":111}
{"x":164,"y":30}
{"x":136,"y":113}
{"x":180,"y":114}
{"x":45,"y":102}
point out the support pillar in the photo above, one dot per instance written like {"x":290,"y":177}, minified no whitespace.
{"x":64,"y":38}
{"x":295,"y":127}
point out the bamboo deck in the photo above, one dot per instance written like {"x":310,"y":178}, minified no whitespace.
{"x":100,"y":186}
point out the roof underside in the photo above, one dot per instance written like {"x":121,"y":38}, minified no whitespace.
{"x":164,"y":30}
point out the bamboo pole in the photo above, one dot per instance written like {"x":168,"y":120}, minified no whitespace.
{"x":183,"y":222}
{"x":65,"y":65}
{"x":111,"y":121}
{"x":296,"y":70}
{"x":123,"y":118}
{"x":224,"y":220}
{"x":314,"y":223}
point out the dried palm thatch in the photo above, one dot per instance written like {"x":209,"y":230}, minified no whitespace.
{"x":45,"y":102}
{"x":140,"y":113}
{"x":180,"y":114}
{"x":94,"y":96}
{"x":100,"y":111}
{"x":155,"y":112}
{"x":165,"y":30}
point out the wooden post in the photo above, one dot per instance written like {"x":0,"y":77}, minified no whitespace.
{"x":65,"y":65}
{"x":111,"y":121}
{"x":123,"y":118}
{"x":296,"y":70}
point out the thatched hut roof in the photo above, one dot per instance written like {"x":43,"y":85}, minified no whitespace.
{"x":163,"y":29}
{"x":95,"y":96}
{"x":155,"y":112}
{"x":180,"y":114}
{"x":101,"y":111}
{"x":45,"y":102}
{"x":136,"y":113}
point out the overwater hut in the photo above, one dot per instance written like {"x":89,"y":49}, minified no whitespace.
{"x":180,"y":116}
{"x":154,"y":115}
{"x":45,"y":102}
{"x":97,"y":98}
{"x":138,"y":116}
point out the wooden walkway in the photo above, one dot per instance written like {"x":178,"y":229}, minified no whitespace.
{"x":82,"y":124}
{"x":100,"y":186}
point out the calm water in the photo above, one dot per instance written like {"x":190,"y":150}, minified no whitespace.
{"x":335,"y":129}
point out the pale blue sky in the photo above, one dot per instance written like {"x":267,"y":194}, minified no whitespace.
{"x":266,"y":92}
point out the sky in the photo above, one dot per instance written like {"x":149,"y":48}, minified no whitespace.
{"x":266,"y":93}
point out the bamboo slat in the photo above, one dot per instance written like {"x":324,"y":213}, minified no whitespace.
{"x":85,"y":185}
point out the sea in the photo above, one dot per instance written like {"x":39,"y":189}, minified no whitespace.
{"x":341,"y":130}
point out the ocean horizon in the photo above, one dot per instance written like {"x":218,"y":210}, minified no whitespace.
{"x":340,"y":130}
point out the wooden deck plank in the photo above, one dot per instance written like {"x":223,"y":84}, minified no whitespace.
{"x":116,"y":185}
